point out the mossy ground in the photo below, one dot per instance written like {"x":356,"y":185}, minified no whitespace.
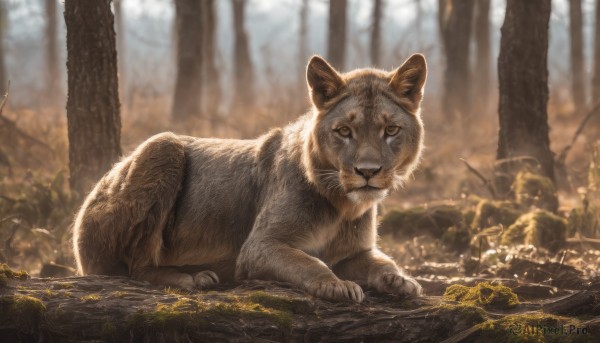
{"x":535,"y":190}
{"x":7,"y":274}
{"x":22,"y":312}
{"x":539,"y":228}
{"x":490,"y":212}
{"x":483,"y":294}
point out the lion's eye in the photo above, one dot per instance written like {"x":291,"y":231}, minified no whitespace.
{"x":344,"y":131}
{"x":392,"y":130}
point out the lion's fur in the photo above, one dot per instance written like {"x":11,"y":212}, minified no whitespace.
{"x":286,"y":206}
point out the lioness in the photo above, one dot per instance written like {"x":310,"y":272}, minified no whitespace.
{"x":297,"y":204}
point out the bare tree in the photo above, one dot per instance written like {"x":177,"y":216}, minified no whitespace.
{"x":576,"y":32}
{"x":303,"y":41}
{"x":483,"y":64}
{"x":52,"y":67}
{"x":336,"y":51}
{"x":523,"y":83}
{"x":188,"y":83}
{"x":120,"y":28}
{"x":94,"y":122}
{"x":596,"y":77}
{"x":376,"y":33}
{"x":455,"y":18}
{"x":3,"y":28}
{"x":243,"y":68}
{"x":212,"y":82}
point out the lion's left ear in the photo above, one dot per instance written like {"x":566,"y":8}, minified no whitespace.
{"x":408,"y":81}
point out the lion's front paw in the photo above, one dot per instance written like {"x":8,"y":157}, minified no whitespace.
{"x":336,"y":290}
{"x":397,"y":283}
{"x":205,"y":279}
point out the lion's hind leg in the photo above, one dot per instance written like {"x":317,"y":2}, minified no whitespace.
{"x":123,"y":219}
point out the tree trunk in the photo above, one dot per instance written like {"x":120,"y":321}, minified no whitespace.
{"x":94,"y":122}
{"x":3,"y":29}
{"x":336,"y":53}
{"x":121,"y":56}
{"x":523,"y":83}
{"x":483,"y":64}
{"x":376,"y":33}
{"x":212,"y":83}
{"x":303,"y":43}
{"x":53,"y":83}
{"x":242,"y":65}
{"x":455,"y":21}
{"x":596,"y":77}
{"x":576,"y":32}
{"x":419,"y":23}
{"x":188,"y":84}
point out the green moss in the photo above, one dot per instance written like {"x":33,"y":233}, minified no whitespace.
{"x":3,"y":281}
{"x":90,"y":298}
{"x":22,"y":312}
{"x":190,"y":314}
{"x":533,"y":327}
{"x":434,"y":220}
{"x":118,"y":294}
{"x":483,"y":294}
{"x":583,"y":220}
{"x":489,"y":213}
{"x":539,"y":228}
{"x":535,"y":190}
{"x":11,"y":274}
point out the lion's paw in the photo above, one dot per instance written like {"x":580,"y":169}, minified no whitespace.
{"x":337,"y":290}
{"x":205,"y":279}
{"x":396,"y":283}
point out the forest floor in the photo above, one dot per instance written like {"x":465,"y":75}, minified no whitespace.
{"x":115,"y":309}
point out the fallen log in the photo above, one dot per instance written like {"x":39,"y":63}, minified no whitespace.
{"x":115,"y":309}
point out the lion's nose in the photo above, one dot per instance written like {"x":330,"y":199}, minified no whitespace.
{"x":367,"y":170}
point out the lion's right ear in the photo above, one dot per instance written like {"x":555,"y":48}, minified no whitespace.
{"x":324,"y":83}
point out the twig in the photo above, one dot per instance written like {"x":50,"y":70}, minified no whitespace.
{"x":486,"y":181}
{"x":563,"y":154}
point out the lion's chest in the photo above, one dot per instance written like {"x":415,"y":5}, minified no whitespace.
{"x":319,"y":238}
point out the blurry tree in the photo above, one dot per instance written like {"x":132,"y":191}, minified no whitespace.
{"x":3,"y":29}
{"x":242,"y":65}
{"x":596,"y":77}
{"x":376,"y":33}
{"x":303,"y":42}
{"x":212,"y":83}
{"x":576,"y":32}
{"x":336,"y":51}
{"x":483,"y":64}
{"x":53,"y":80}
{"x":523,"y":83}
{"x":94,"y":122}
{"x":595,"y":122}
{"x":455,"y":20}
{"x":188,"y":83}
{"x":120,"y":29}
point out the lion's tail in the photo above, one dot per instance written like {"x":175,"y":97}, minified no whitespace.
{"x":120,"y":225}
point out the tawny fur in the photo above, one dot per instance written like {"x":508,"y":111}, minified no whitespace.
{"x":297,"y":204}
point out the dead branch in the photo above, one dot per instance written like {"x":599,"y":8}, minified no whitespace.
{"x":562,"y":157}
{"x":486,"y":182}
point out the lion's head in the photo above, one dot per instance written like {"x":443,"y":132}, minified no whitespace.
{"x":367,"y":134}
